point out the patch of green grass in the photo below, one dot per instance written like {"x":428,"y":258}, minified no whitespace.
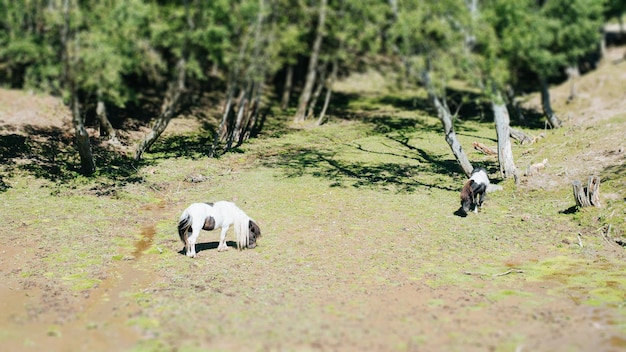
{"x":81,"y":281}
{"x":508,"y":293}
{"x":593,"y":282}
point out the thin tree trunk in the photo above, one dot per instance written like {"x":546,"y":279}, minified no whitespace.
{"x":241,"y":111}
{"x":287,"y":89}
{"x":87,"y":163}
{"x":173,"y":97}
{"x":515,"y":105}
{"x":106,"y":129}
{"x":222,"y":130}
{"x":318,"y":90}
{"x":255,"y":106}
{"x":444,"y":115}
{"x":169,"y":109}
{"x":310,"y":78}
{"x":553,"y":120}
{"x":470,"y":39}
{"x":573,"y":72}
{"x":329,"y":92}
{"x":505,"y":153}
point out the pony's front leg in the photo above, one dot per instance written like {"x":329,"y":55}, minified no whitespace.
{"x":222,"y":246}
{"x":475,"y":204}
{"x":480,"y":202}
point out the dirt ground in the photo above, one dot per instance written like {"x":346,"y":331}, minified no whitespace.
{"x":43,"y":315}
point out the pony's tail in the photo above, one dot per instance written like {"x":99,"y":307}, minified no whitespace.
{"x":183,"y":227}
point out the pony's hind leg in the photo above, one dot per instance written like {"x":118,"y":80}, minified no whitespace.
{"x":191,"y":242}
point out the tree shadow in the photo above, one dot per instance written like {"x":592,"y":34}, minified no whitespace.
{"x":48,"y":153}
{"x":401,"y":177}
{"x":613,"y":172}
{"x":398,"y":131}
{"x":191,"y":146}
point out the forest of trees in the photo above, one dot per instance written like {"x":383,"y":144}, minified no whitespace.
{"x":112,"y":55}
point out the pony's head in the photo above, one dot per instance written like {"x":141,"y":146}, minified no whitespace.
{"x":467,"y":196}
{"x":253,"y":233}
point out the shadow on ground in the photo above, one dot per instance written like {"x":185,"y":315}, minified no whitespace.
{"x":48,"y":153}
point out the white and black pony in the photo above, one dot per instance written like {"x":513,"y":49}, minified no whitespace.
{"x":209,"y":216}
{"x":474,"y":191}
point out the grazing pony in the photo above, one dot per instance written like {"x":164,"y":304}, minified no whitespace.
{"x":209,"y":216}
{"x":474,"y":190}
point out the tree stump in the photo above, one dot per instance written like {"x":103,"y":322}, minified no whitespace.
{"x":587,"y":196}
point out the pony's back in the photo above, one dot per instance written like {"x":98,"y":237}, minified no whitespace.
{"x":479,"y":175}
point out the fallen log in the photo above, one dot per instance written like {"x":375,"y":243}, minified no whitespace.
{"x":484,"y":149}
{"x":520,"y":136}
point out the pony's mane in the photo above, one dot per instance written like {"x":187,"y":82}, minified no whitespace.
{"x":242,"y":230}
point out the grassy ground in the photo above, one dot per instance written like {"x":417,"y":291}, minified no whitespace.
{"x":361,"y":249}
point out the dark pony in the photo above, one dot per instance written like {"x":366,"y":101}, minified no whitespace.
{"x":474,"y":191}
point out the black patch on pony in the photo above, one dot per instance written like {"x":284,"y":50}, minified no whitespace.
{"x":209,"y":224}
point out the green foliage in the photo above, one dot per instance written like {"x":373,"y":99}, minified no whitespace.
{"x":115,"y":40}
{"x":524,"y":48}
{"x":614,"y":9}
{"x":431,"y":38}
{"x":578,"y":30}
{"x":562,"y":32}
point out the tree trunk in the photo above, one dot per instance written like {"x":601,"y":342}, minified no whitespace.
{"x":453,"y":142}
{"x":169,"y":109}
{"x":515,"y":105}
{"x":287,"y":89}
{"x":253,"y":113}
{"x":222,"y":130}
{"x":505,"y":153}
{"x":329,"y":92}
{"x":318,"y":90}
{"x":87,"y":163}
{"x":241,"y":111}
{"x":305,"y":96}
{"x":106,"y":129}
{"x":553,"y":120}
{"x":443,"y":112}
{"x":573,"y":72}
